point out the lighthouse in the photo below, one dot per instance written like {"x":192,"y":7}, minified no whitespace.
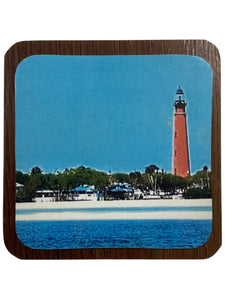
{"x":181,"y":165}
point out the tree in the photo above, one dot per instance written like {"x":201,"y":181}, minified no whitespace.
{"x":201,"y":179}
{"x":51,"y":181}
{"x":21,"y":177}
{"x":136,"y":179}
{"x":35,"y":171}
{"x":151,"y":171}
{"x":170,"y":183}
{"x":27,"y":193}
{"x":121,"y":177}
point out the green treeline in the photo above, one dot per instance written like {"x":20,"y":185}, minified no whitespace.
{"x":195,"y":186}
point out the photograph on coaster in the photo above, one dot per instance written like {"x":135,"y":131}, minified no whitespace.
{"x":113,"y":151}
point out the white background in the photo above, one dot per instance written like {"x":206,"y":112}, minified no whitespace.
{"x":102,"y":19}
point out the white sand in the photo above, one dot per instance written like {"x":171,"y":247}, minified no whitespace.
{"x":115,"y":215}
{"x":115,"y":203}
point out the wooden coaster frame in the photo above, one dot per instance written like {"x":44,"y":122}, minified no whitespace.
{"x":21,"y":50}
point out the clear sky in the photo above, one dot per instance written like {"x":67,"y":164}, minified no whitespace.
{"x":109,"y":112}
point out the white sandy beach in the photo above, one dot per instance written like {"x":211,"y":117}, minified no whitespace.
{"x":73,"y":215}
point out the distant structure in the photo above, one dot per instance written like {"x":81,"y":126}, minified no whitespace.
{"x":181,"y":165}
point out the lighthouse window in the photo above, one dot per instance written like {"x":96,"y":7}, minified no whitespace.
{"x":175,"y":134}
{"x":175,"y":152}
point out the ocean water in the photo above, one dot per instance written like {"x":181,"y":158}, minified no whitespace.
{"x":79,"y":234}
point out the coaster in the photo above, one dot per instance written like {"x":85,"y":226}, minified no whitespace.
{"x":112,"y":150}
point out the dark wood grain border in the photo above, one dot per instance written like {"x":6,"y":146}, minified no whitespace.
{"x":21,"y":50}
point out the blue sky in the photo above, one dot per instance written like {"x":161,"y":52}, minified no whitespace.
{"x":109,"y":112}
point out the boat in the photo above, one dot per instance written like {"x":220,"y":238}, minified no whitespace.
{"x":44,"y":195}
{"x":84,"y":192}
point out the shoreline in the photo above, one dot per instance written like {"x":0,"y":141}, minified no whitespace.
{"x":156,"y":215}
{"x":115,"y":203}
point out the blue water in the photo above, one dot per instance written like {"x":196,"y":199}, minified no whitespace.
{"x":160,"y":234}
{"x":113,"y":209}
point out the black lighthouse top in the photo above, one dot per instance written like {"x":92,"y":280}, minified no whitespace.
{"x":179,"y":101}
